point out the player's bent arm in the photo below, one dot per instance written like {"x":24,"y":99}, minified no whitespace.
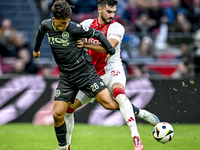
{"x":95,"y":47}
{"x":104,"y":41}
{"x":113,"y":42}
{"x":99,"y":47}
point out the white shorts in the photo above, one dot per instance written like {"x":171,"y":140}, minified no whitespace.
{"x":114,"y":74}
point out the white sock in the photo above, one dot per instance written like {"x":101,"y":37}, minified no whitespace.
{"x":127,"y":113}
{"x":69,"y":120}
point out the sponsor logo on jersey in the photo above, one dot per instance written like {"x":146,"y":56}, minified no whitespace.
{"x":117,"y":35}
{"x":115,"y":73}
{"x":93,"y":40}
{"x":63,"y":41}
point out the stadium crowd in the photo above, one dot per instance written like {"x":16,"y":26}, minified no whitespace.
{"x":162,"y":34}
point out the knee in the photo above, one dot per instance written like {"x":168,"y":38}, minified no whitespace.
{"x":58,"y":116}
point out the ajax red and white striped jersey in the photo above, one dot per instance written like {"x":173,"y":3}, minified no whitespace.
{"x":113,"y":30}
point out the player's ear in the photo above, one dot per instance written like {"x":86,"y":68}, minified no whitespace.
{"x":99,"y":9}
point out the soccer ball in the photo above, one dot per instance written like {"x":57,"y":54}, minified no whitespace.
{"x":163,"y":132}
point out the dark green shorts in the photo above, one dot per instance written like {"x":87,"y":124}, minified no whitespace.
{"x":87,"y":81}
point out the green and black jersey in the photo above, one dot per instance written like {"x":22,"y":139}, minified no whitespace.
{"x":67,"y":55}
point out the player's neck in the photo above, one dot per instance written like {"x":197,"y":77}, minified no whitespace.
{"x":100,"y":21}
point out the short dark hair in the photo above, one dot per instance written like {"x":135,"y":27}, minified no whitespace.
{"x":103,"y":3}
{"x":61,"y":9}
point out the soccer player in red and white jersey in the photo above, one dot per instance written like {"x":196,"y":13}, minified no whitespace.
{"x":111,"y":71}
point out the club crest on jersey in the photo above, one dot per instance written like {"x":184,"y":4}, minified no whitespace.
{"x":65,"y":35}
{"x":104,"y":32}
{"x":57,"y":94}
{"x":102,"y":83}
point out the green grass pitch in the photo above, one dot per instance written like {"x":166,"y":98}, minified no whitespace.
{"x":87,"y":137}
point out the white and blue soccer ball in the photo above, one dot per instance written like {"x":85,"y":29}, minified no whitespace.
{"x":163,"y":132}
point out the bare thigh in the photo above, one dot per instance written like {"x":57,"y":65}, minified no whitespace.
{"x":105,"y":99}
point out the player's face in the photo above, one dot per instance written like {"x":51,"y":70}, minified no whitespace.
{"x":107,"y":13}
{"x":61,"y":24}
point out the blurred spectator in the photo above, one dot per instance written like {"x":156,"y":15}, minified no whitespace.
{"x":3,"y":50}
{"x":144,"y":4}
{"x":7,"y":38}
{"x":131,"y":14}
{"x":185,"y":70}
{"x":146,"y":52}
{"x":45,"y":7}
{"x":121,"y":7}
{"x":194,"y":15}
{"x":18,"y":67}
{"x":186,"y":3}
{"x":195,"y":48}
{"x":146,"y":47}
{"x":165,"y":3}
{"x":46,"y":70}
{"x":0,"y":66}
{"x":140,"y":71}
{"x":172,"y":11}
{"x":1,"y":17}
{"x":86,"y":6}
{"x":156,"y":13}
{"x":186,"y":54}
{"x":83,"y":10}
{"x":181,"y":24}
{"x":30,"y":66}
{"x":144,"y":25}
{"x":20,"y":42}
{"x":160,"y":42}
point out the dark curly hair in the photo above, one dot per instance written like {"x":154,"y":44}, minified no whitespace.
{"x":61,"y":9}
{"x":103,"y":3}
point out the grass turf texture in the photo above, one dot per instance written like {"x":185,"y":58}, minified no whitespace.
{"x":87,"y":137}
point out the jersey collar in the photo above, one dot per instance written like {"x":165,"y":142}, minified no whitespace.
{"x":54,"y":26}
{"x":102,"y":25}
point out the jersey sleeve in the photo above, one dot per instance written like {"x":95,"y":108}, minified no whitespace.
{"x":87,"y":22}
{"x":87,"y":32}
{"x":116,"y":31}
{"x":81,"y":31}
{"x":39,"y":36}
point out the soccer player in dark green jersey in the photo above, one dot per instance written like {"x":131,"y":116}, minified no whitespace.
{"x":76,"y":70}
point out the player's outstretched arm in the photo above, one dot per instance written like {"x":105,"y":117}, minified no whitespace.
{"x":104,"y":41}
{"x":38,"y":41}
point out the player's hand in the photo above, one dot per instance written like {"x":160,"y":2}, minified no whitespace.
{"x":36,"y":55}
{"x":108,"y":56}
{"x":80,"y":42}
